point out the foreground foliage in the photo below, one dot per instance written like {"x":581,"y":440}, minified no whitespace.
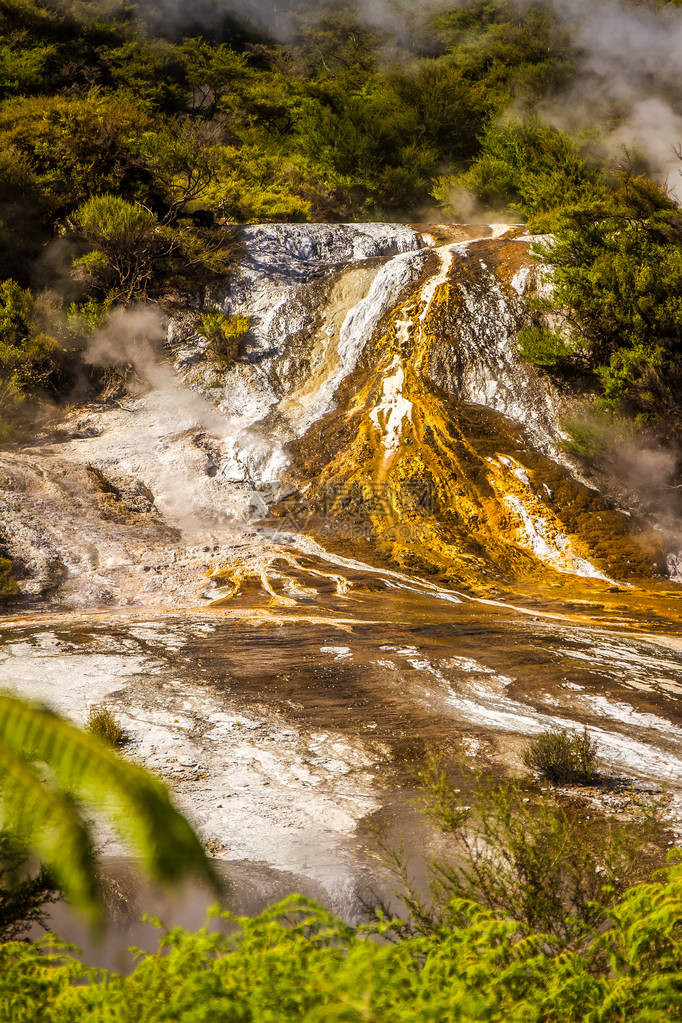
{"x":50,"y":771}
{"x":551,"y":863}
{"x":296,"y":962}
{"x":535,"y":918}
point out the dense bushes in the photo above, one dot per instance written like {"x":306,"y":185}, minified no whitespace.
{"x":32,"y":361}
{"x":296,"y":962}
{"x":527,"y":170}
{"x":77,"y":146}
{"x":95,"y":105}
{"x":616,"y":265}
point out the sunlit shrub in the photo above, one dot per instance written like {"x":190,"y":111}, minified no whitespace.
{"x":8,"y":584}
{"x":102,"y":722}
{"x":225,"y":335}
{"x":542,"y":347}
{"x":563,"y":757}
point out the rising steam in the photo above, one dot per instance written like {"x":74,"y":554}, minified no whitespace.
{"x":171,"y":442}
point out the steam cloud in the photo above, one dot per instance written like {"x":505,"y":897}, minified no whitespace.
{"x":631,"y":71}
{"x":629,"y":75}
{"x":197,"y":459}
{"x":164,"y":440}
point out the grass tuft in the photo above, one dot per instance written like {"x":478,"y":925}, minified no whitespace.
{"x":8,"y":585}
{"x":102,"y":723}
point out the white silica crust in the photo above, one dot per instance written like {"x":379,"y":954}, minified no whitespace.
{"x":393,"y":408}
{"x":284,"y":284}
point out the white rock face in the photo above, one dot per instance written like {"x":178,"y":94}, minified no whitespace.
{"x":393,"y":409}
{"x":479,"y":360}
{"x":210,"y":445}
{"x":314,"y":294}
{"x":675,"y":567}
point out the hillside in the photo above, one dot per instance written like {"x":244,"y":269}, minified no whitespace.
{"x":126,"y":155}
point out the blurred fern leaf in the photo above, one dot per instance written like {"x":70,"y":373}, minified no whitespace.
{"x":54,"y":777}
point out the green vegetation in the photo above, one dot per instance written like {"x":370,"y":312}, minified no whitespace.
{"x":543,"y":917}
{"x":125,"y":155}
{"x":94,"y":105}
{"x":593,"y":434}
{"x":31,"y":359}
{"x":43,"y":811}
{"x":225,"y":335}
{"x":296,"y":962}
{"x":535,"y":857}
{"x":525,"y":169}
{"x":102,"y":723}
{"x":8,"y":584}
{"x":563,"y":757}
{"x":617,"y":266}
{"x":543,"y":347}
{"x":128,"y":243}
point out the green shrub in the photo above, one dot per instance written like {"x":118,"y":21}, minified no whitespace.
{"x":32,"y":362}
{"x":563,"y":757}
{"x":8,"y":584}
{"x":85,"y":318}
{"x":225,"y":335}
{"x":617,"y":265}
{"x":543,"y":347}
{"x":529,"y":169}
{"x":129,"y":245}
{"x":589,"y":436}
{"x":102,"y":723}
{"x":546,"y":861}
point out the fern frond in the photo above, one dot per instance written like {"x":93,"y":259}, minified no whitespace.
{"x":47,"y":821}
{"x":81,"y":766}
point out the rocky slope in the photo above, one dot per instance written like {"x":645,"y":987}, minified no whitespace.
{"x":292,"y":573}
{"x":379,"y":390}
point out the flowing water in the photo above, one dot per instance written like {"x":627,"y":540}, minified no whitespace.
{"x":293,"y":576}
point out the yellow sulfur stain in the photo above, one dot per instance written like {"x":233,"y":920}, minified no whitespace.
{"x":402,"y":474}
{"x":449,"y":489}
